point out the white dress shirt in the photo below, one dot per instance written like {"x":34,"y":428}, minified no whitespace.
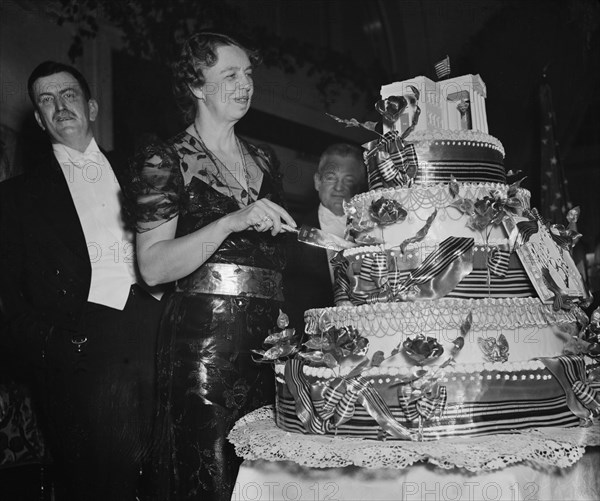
{"x":333,"y":224}
{"x":96,"y":195}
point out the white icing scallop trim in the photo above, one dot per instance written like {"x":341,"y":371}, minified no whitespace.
{"x":447,"y":313}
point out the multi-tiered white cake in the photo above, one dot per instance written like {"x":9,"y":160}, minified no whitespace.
{"x":457,"y":309}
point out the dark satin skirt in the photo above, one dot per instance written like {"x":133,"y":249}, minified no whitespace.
{"x":207,"y":381}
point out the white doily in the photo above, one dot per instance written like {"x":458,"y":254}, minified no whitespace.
{"x":257,"y":437}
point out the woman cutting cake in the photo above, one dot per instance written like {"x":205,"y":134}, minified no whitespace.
{"x":209,"y":219}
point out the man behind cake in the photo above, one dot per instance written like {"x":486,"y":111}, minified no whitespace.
{"x":341,"y":174}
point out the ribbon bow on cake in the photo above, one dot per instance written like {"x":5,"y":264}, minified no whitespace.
{"x":390,"y":161}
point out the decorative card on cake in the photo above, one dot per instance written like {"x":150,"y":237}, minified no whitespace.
{"x":550,"y":267}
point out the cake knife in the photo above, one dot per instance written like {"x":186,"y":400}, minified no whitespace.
{"x":319,"y":238}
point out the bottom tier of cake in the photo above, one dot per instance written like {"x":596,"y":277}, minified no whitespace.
{"x":550,"y":392}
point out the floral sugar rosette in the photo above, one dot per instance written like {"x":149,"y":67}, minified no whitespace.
{"x":331,"y":346}
{"x":341,"y":347}
{"x":422,"y":349}
{"x":281,"y":343}
{"x":385,"y":211}
{"x":490,"y":210}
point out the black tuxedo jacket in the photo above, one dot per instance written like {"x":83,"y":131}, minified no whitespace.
{"x":307,"y":279}
{"x":45,"y":269}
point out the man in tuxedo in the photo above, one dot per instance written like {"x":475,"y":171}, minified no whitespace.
{"x":70,"y":305}
{"x":341,"y":174}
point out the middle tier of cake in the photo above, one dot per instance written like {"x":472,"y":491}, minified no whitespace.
{"x":429,"y":242}
{"x":392,"y":215}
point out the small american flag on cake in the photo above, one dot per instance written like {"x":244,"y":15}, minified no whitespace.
{"x":442,"y":68}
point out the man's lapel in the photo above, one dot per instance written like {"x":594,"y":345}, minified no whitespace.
{"x":321,"y":259}
{"x":53,"y":204}
{"x":312,"y":219}
{"x":119,"y":167}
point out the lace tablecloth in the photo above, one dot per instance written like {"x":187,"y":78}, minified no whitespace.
{"x":257,"y":437}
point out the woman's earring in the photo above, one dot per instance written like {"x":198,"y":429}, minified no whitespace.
{"x":197,"y":93}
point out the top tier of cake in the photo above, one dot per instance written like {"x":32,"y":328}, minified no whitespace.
{"x":446,"y":135}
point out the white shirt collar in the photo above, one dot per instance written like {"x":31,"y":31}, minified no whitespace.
{"x":330,"y":222}
{"x":65,"y":153}
{"x":325,"y":213}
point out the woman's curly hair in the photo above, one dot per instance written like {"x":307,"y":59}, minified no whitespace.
{"x":198,"y":52}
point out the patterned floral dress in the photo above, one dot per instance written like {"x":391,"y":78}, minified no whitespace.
{"x":207,"y":377}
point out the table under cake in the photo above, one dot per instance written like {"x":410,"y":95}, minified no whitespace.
{"x":537,"y":464}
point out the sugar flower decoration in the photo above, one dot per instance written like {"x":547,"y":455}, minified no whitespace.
{"x":386,"y":211}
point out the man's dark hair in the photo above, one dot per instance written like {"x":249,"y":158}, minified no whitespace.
{"x":48,"y":68}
